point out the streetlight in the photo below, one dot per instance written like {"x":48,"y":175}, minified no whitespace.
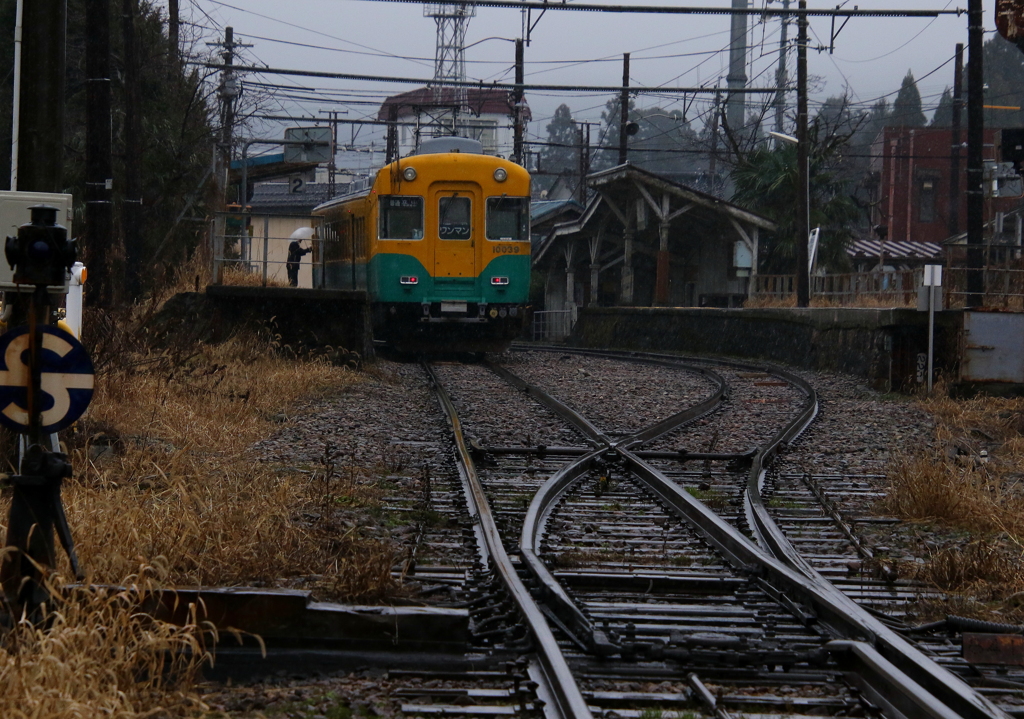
{"x":803,"y":228}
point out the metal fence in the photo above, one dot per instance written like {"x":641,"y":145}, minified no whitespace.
{"x":552,"y":324}
{"x":851,"y":289}
{"x":252,"y":249}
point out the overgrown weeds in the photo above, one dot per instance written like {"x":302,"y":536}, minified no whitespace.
{"x":970,"y":482}
{"x":95,"y":654}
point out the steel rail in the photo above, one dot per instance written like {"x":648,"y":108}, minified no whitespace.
{"x":548,"y":496}
{"x":783,"y":565}
{"x":561,"y":685}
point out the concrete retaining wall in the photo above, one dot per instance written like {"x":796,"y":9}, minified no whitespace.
{"x":881,"y":345}
{"x":314,"y":318}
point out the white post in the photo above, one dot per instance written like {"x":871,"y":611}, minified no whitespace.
{"x":932,"y":280}
{"x":75,"y":299}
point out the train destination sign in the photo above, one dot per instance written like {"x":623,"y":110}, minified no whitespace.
{"x":67,"y":379}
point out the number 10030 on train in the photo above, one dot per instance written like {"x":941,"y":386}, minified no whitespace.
{"x":441,"y":244}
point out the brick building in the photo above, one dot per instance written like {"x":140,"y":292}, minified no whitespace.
{"x":909,"y":183}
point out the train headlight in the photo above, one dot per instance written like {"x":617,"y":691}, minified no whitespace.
{"x":409,"y":174}
{"x":499,"y":281}
{"x":500,"y":175}
{"x":408,"y":280}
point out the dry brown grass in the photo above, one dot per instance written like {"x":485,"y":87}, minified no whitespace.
{"x":237,"y":275}
{"x":165,"y":478}
{"x":179,"y":479}
{"x":93,"y":655}
{"x":982,"y":498}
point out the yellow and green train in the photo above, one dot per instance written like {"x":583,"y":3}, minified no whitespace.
{"x":441,"y":244}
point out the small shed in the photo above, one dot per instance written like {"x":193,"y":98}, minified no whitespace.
{"x":644,"y":240}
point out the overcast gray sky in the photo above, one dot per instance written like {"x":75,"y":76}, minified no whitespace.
{"x":395,"y":39}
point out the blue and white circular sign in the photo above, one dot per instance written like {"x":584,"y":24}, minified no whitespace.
{"x":67,"y":379}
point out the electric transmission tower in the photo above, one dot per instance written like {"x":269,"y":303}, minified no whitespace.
{"x":449,"y":60}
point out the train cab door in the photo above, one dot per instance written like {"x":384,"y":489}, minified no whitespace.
{"x":455,"y":205}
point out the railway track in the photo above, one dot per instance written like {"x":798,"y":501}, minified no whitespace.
{"x":640,"y":565}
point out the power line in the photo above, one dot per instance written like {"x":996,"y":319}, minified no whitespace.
{"x":677,"y":10}
{"x":477,"y":85}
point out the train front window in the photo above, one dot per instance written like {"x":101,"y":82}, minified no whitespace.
{"x":401,"y":217}
{"x":453,"y":218}
{"x":508,"y":218}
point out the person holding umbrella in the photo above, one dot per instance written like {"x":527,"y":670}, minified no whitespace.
{"x":295,"y":253}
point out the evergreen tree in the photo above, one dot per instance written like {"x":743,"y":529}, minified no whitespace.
{"x":944,"y":112}
{"x":906,"y":109}
{"x":561,"y":153}
{"x":176,"y":131}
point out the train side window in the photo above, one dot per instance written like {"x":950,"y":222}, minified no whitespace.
{"x":401,"y":217}
{"x":454,"y":215}
{"x":508,"y":218}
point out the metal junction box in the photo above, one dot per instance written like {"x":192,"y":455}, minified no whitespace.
{"x":992,"y":347}
{"x":14,"y":213}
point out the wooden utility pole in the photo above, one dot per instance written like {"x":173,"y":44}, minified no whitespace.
{"x":174,"y":59}
{"x":41,"y":101}
{"x":98,"y":172}
{"x":975,"y":165}
{"x":624,"y":109}
{"x":803,"y":293}
{"x":131,"y":208}
{"x":953,"y":218}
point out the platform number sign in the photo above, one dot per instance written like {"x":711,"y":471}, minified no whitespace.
{"x":296,"y":184}
{"x":67,"y":379}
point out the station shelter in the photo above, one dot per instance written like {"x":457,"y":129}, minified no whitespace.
{"x":644,"y":240}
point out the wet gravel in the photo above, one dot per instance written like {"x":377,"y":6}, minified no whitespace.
{"x":618,"y":396}
{"x":388,"y":424}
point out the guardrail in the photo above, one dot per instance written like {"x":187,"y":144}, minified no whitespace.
{"x":897,"y":287}
{"x":552,"y":324}
{"x":252,"y":249}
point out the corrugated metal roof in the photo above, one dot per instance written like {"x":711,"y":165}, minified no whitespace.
{"x":895,"y":250}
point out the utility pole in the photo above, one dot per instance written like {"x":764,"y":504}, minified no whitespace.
{"x":803,"y":290}
{"x":713,"y":160}
{"x":41,"y":102}
{"x":228,"y":93}
{"x":172,"y":37}
{"x":131,"y":209}
{"x":737,"y":77}
{"x":975,"y":166}
{"x":517,"y":107}
{"x":624,"y":109}
{"x":953,"y":219}
{"x":98,"y":171}
{"x":781,"y":76}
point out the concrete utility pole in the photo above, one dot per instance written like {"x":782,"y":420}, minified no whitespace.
{"x":517,"y":107}
{"x":228,"y":94}
{"x":803,"y":290}
{"x":41,"y":102}
{"x":781,"y":76}
{"x":624,"y":110}
{"x":975,"y":165}
{"x":737,"y":78}
{"x":953,"y":219}
{"x":99,"y":182}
